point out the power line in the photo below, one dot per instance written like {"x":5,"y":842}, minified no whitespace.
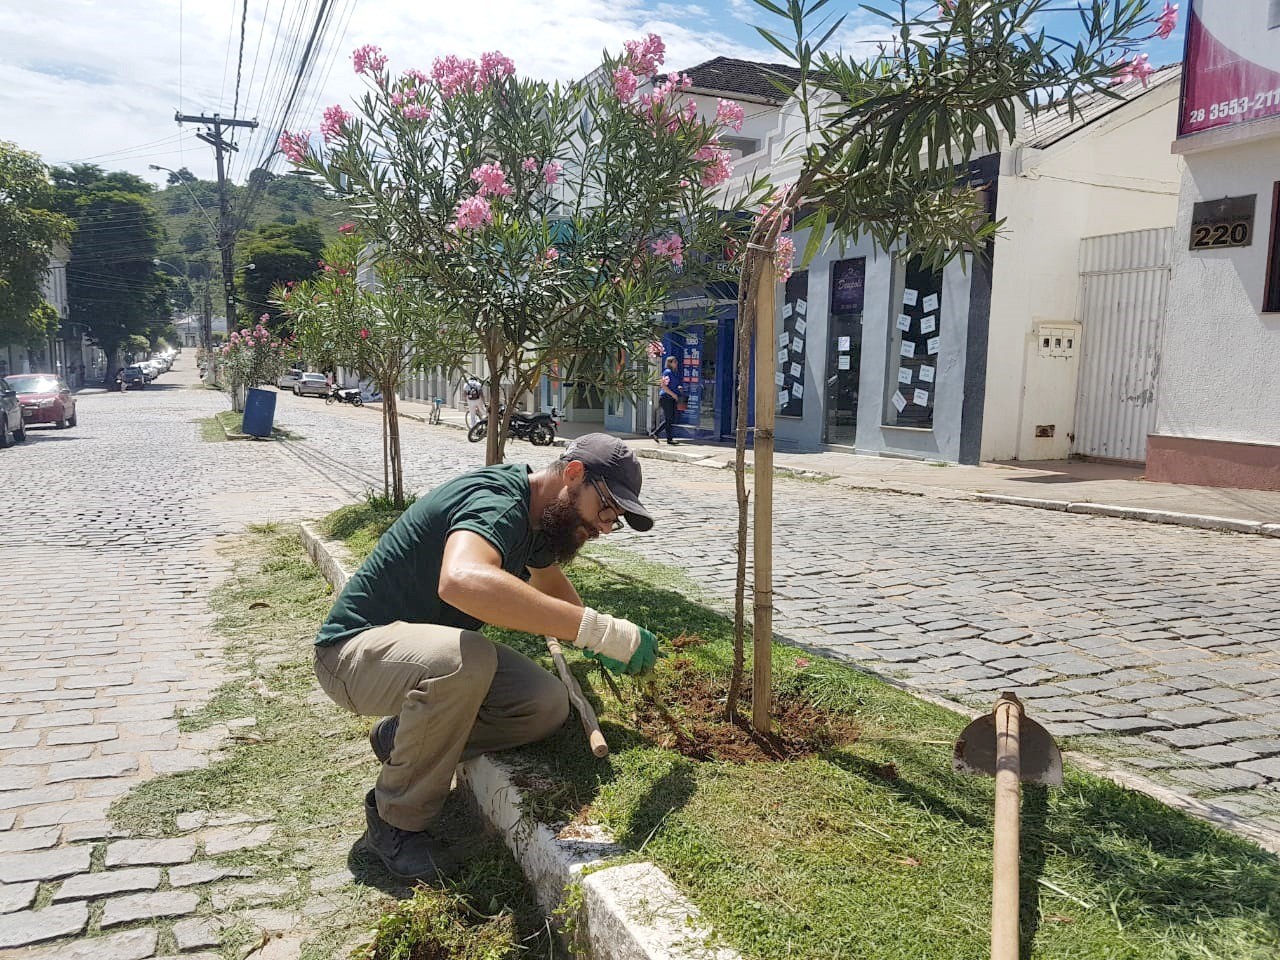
{"x":244,"y":15}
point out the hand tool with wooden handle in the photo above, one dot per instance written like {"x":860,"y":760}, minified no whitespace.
{"x":588,"y":716}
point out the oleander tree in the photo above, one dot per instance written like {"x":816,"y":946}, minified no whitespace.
{"x":368,"y":311}
{"x":550,"y":222}
{"x":881,"y":149}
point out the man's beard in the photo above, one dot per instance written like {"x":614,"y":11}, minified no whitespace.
{"x":562,"y":526}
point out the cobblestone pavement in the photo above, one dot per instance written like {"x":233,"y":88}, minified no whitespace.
{"x":1159,"y":644}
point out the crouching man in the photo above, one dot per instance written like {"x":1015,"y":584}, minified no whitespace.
{"x":401,"y":640}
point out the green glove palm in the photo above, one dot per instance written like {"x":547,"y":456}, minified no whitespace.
{"x":641,"y":662}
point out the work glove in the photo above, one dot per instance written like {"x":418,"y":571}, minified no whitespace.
{"x":618,"y":644}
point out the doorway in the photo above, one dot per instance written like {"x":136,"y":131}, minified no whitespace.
{"x":844,"y":351}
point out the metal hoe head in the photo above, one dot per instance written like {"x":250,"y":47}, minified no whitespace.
{"x":975,"y":751}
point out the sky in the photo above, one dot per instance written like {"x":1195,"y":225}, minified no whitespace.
{"x":99,"y":81}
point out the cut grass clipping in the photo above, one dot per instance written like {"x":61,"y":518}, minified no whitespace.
{"x":304,"y":767}
{"x":870,"y":846}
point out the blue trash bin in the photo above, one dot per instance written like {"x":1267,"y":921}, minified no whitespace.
{"x":259,"y":412}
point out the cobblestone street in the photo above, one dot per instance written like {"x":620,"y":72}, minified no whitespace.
{"x":1158,"y":646}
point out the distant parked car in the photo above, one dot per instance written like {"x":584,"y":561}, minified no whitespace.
{"x":45,"y":398}
{"x":311,"y":385}
{"x":289,"y":379}
{"x":11,"y":425}
{"x":135,"y":376}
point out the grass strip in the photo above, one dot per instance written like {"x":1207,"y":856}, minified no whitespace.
{"x":875,"y":849}
{"x":304,"y":767}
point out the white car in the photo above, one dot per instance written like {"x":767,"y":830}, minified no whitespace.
{"x":311,"y":385}
{"x":288,"y":380}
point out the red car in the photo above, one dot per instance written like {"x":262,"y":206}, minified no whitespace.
{"x":44,"y":398}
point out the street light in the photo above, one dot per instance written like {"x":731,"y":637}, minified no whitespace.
{"x":176,"y":176}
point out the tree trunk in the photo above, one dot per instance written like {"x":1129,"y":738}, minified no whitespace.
{"x":495,"y":439}
{"x":742,"y":364}
{"x":394,"y":463}
{"x":386,"y":447}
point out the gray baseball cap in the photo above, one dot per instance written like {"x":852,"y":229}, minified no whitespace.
{"x":613,"y":461}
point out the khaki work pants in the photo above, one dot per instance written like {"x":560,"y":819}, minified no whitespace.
{"x":458,"y":695}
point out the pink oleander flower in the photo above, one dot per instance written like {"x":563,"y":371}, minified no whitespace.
{"x":529,"y":165}
{"x":551,"y":173}
{"x":453,"y":75}
{"x":1167,"y":22}
{"x":264,"y":318}
{"x":364,"y":333}
{"x":550,"y":255}
{"x":718,"y":169}
{"x":645,"y":56}
{"x":397,"y":99}
{"x":684,"y":184}
{"x":655,"y":349}
{"x":493,"y":182}
{"x":415,"y":111}
{"x":368,"y":58}
{"x":472,"y":214}
{"x":347,"y":228}
{"x":784,"y":257}
{"x":624,"y":84}
{"x":730,"y":114}
{"x":295,"y":145}
{"x":1136,"y":69}
{"x":417,"y":76}
{"x":671,"y":247}
{"x":946,"y":8}
{"x":335,"y":118}
{"x":494,"y":66}
{"x":802,"y":662}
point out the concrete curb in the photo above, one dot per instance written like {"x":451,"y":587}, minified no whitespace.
{"x":628,"y":912}
{"x":1200,"y":521}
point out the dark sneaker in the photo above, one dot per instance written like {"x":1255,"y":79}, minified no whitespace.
{"x":383,"y":737}
{"x":407,"y":854}
{"x":673,"y":443}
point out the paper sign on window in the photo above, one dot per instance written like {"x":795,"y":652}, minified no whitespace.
{"x":842,"y":343}
{"x":904,"y":374}
{"x":910,"y":297}
{"x":921,"y":398}
{"x":908,"y":349}
{"x":904,"y":322}
{"x":802,"y":307}
{"x":786,"y":310}
{"x":929,"y":323}
{"x":926,"y":374}
{"x":899,"y":401}
{"x":844,"y":361}
{"x":801,"y":324}
{"x":933,"y":345}
{"x":931,"y":302}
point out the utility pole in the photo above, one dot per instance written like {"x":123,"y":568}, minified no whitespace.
{"x":226,"y":232}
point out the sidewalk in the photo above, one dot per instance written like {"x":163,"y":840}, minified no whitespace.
{"x":1065,"y":485}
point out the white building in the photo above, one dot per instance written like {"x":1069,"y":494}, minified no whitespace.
{"x":1218,"y":415}
{"x":884,"y":358}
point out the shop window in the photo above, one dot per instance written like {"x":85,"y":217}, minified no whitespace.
{"x":915,"y":338}
{"x":793,"y":337}
{"x":1271,"y":296}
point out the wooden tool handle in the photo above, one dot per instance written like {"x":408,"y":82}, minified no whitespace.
{"x":588,"y":716}
{"x":1004,"y":876}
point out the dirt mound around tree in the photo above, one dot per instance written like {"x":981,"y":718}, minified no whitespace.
{"x":689,"y":717}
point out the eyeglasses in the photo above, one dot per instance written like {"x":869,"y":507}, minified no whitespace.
{"x":610,"y":512}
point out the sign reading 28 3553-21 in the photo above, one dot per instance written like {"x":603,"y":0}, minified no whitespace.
{"x":1231,"y":70}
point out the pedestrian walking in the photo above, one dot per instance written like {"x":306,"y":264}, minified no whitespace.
{"x":473,"y":391}
{"x":668,"y":399}
{"x":401,"y":640}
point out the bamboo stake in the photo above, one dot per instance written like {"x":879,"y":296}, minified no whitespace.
{"x":1004,"y":876}
{"x":588,"y":716}
{"x":766,"y":408}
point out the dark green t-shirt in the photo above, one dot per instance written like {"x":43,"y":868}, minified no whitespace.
{"x":400,"y":579}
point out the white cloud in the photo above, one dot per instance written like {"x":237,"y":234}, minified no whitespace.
{"x":85,"y":79}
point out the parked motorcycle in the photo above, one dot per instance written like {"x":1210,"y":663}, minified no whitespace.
{"x":538,"y":428}
{"x":344,"y":395}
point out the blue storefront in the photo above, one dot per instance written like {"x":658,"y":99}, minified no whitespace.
{"x":702,"y":339}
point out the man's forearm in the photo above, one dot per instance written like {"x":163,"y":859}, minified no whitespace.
{"x":498,"y":598}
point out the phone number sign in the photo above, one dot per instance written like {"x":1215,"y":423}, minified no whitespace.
{"x":1232,"y":64}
